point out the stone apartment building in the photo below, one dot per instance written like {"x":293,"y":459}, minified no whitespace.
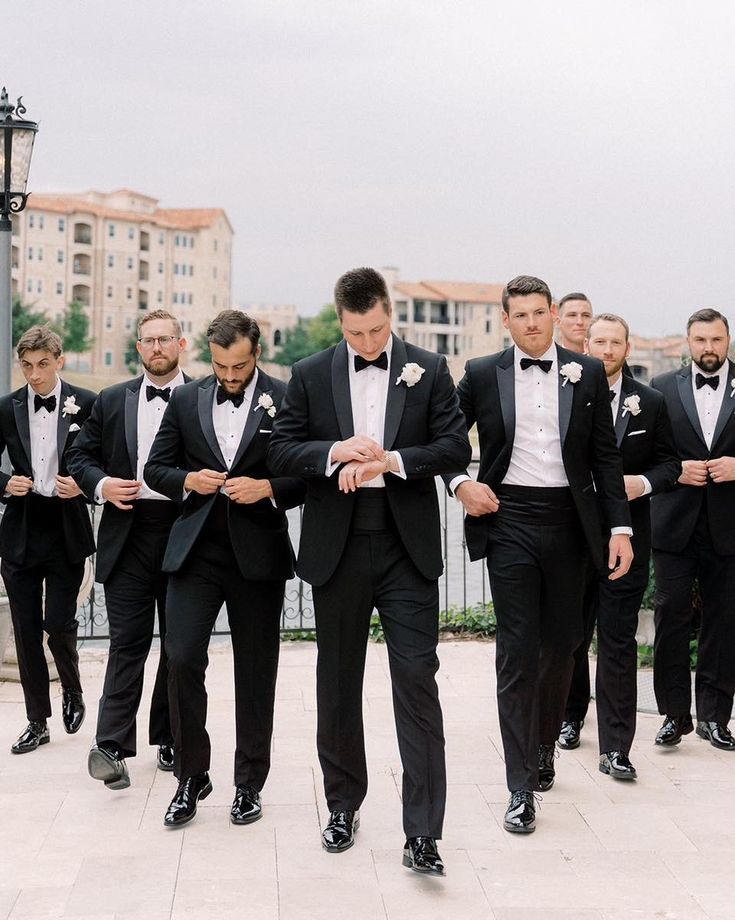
{"x":120,"y":255}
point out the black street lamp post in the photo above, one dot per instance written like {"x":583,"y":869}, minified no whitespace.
{"x":16,"y":147}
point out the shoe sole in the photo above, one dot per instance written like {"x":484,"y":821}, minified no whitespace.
{"x":544,"y":787}
{"x":409,"y":864}
{"x":30,"y":750}
{"x":164,"y":769}
{"x":202,"y":795}
{"x":331,"y":849}
{"x":519,"y":830}
{"x":100,"y":768}
{"x":250,"y":820}
{"x":720,"y":747}
{"x":622,"y":776}
{"x":568,"y":747}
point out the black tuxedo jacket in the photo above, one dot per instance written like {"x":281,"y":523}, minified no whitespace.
{"x":186,"y":441}
{"x":423,"y":422}
{"x":591,"y":460}
{"x":674,"y":514}
{"x":15,"y":436}
{"x":646,"y":444}
{"x":108,"y":446}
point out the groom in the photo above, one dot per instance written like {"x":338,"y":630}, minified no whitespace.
{"x":369,"y":423}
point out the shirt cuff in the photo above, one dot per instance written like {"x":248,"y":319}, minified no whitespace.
{"x":614,"y":531}
{"x":647,"y":487}
{"x":331,"y":466}
{"x":401,"y":471}
{"x":98,"y":497}
{"x":457,"y":481}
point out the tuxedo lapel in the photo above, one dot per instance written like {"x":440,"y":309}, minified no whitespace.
{"x":63,"y":422}
{"x":686,"y":394}
{"x":254,"y":419}
{"x":727,"y":406}
{"x":341,"y":391}
{"x":204,"y":410}
{"x":623,"y":418}
{"x":396,"y":393}
{"x":20,"y":411}
{"x":505,"y":373}
{"x":131,"y":423}
{"x":566,"y":398}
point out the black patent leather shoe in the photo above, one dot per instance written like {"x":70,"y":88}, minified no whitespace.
{"x":247,"y":806}
{"x":617,"y":765}
{"x":717,"y":734}
{"x":108,"y":766}
{"x":33,"y":735}
{"x":421,"y":855}
{"x":339,"y":834}
{"x":546,"y":771}
{"x":569,"y":735}
{"x":183,"y":805}
{"x":520,"y":817}
{"x":673,"y":728}
{"x":165,"y":757}
{"x":72,"y":711}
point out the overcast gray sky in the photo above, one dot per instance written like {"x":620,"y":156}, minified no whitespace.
{"x":589,"y":143}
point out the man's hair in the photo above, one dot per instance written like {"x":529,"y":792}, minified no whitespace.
{"x":609,"y":318}
{"x":358,"y":290}
{"x":707,"y":315}
{"x":40,"y":338}
{"x":576,"y":295}
{"x":524,"y":285}
{"x":159,"y":314}
{"x":229,"y":326}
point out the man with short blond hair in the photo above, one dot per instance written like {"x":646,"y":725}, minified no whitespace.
{"x":108,"y":460}
{"x":45,"y":534}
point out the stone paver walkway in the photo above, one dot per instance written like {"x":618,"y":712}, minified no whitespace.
{"x":661,"y":848}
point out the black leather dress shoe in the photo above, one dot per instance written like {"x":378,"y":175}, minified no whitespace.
{"x":546,"y":771}
{"x":717,"y":734}
{"x":72,"y":711}
{"x":107,"y":765}
{"x":421,"y":855}
{"x":339,"y":834}
{"x":617,"y":765}
{"x":247,"y":806}
{"x":569,"y":735}
{"x":520,"y":817}
{"x":673,"y":728}
{"x":34,"y":734}
{"x":183,"y":805}
{"x":165,"y":757}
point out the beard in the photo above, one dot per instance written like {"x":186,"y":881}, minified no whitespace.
{"x":162,"y":365}
{"x":710,"y":363}
{"x":236,"y":387}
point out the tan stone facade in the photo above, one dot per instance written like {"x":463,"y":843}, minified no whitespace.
{"x":121,"y":255}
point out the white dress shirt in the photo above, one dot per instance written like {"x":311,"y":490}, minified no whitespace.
{"x":44,"y":443}
{"x":709,"y":401}
{"x":617,"y":389}
{"x":368,"y":396}
{"x":229,"y":421}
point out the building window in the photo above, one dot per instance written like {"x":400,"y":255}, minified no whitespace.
{"x":176,"y":297}
{"x":109,"y":290}
{"x":190,"y":299}
{"x":160,"y":268}
{"x":41,"y":222}
{"x":30,"y":253}
{"x":130,"y":261}
{"x":159,"y":298}
{"x":62,"y":225}
{"x":160,"y":239}
{"x":184,"y":241}
{"x":31,"y":220}
{"x":216,"y":244}
{"x":128,"y":323}
{"x":108,"y":321}
{"x":129,"y":293}
{"x":110,"y":261}
{"x":29,"y":286}
{"x":131,"y":233}
{"x":191,"y":245}
{"x":108,"y":359}
{"x":59,"y":255}
{"x":39,"y":287}
{"x":40,"y":253}
{"x":110,"y":230}
{"x":191,"y":270}
{"x":176,"y":240}
{"x":59,"y":287}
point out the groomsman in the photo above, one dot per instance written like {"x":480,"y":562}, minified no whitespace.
{"x":650,"y":466}
{"x":229,"y":546}
{"x":693,"y":537}
{"x":369,"y":423}
{"x":45,"y":534}
{"x":108,"y":460}
{"x":573,"y":319}
{"x":550,"y":477}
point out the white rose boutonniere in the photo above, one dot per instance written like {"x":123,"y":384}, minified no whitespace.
{"x":571,"y":372}
{"x":411,"y":374}
{"x":632,"y":404}
{"x":265,"y":402}
{"x":732,"y":388}
{"x":70,"y":406}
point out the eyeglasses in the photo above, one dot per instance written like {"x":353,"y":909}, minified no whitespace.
{"x":163,"y":340}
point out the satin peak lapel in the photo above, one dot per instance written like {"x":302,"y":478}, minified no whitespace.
{"x":341,"y":391}
{"x":684,"y":383}
{"x":396,"y":393}
{"x":566,"y":398}
{"x":505,"y":374}
{"x":131,"y":425}
{"x":204,"y":409}
{"x":63,"y":423}
{"x":623,"y":418}
{"x":20,"y":411}
{"x":253,"y":421}
{"x":727,"y":406}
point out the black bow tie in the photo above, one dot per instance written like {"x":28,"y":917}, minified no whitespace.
{"x":49,"y":403}
{"x":235,"y":398}
{"x":612,"y":396}
{"x":545,"y":365}
{"x":381,"y":361}
{"x":151,"y":393}
{"x":700,"y":381}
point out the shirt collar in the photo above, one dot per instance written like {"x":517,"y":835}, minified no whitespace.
{"x":175,"y":382}
{"x":351,"y":351}
{"x":617,"y":387}
{"x":548,"y":355}
{"x":55,"y":392}
{"x":721,"y":373}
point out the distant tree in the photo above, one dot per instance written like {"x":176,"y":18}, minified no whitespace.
{"x":25,"y":316}
{"x":310,"y":336}
{"x":75,"y":330}
{"x":296,"y":345}
{"x":132,"y":358}
{"x":324,"y":328}
{"x":200,"y":347}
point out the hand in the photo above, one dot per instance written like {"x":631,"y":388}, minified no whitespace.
{"x":354,"y":474}
{"x":620,"y":555}
{"x":634,"y":487}
{"x":121,"y":492}
{"x":477,"y":498}
{"x":205,"y":482}
{"x":722,"y":469}
{"x":18,"y":485}
{"x":358,"y":447}
{"x":693,"y":473}
{"x":246,"y":491}
{"x":66,"y":487}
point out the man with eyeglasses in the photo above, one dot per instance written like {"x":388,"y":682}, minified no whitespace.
{"x":107,"y":461}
